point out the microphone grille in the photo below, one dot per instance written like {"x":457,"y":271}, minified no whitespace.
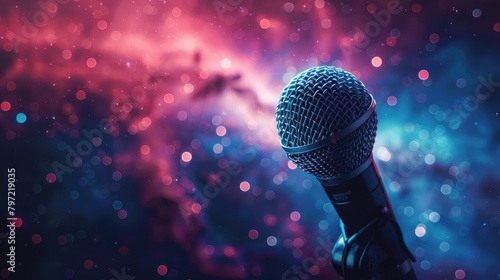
{"x":316,"y":104}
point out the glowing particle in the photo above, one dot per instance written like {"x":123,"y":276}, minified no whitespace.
{"x":416,"y":8}
{"x":461,"y":83}
{"x":196,"y":208}
{"x":444,"y":247}
{"x":117,"y":175}
{"x":225,"y":63}
{"x":36,"y":239}
{"x":80,"y":95}
{"x":73,"y":119}
{"x":430,"y":159}
{"x":434,"y":109}
{"x":162,"y":270}
{"x":122,"y":214}
{"x":314,"y":270}
{"x":460,"y":274}
{"x":11,"y":85}
{"x":420,"y":230}
{"x":434,"y":217}
{"x":218,"y":148}
{"x":117,"y":205}
{"x":52,"y":8}
{"x":51,"y":178}
{"x":61,"y":240}
{"x":86,"y":44}
{"x":327,"y":207}
{"x":229,"y":251}
{"x":74,"y":195}
{"x":66,"y":54}
{"x":371,"y":8}
{"x":423,"y":74}
{"x":446,"y":189}
{"x":204,"y":74}
{"x":294,"y":37}
{"x":392,"y":100}
{"x":252,"y":124}
{"x":319,"y":4}
{"x":188,"y":88}
{"x":18,"y":222}
{"x":253,"y":234}
{"x":292,"y":165}
{"x":91,"y":62}
{"x":182,"y":115}
{"x":288,"y":7}
{"x":195,"y":143}
{"x":272,"y":241}
{"x":186,"y":157}
{"x":326,"y":23}
{"x":434,"y":38}
{"x":168,"y":98}
{"x":72,"y":27}
{"x":146,"y":121}
{"x":21,"y":118}
{"x":425,"y":265}
{"x":306,"y":8}
{"x":166,"y":180}
{"x":297,"y":253}
{"x":220,"y":130}
{"x":453,"y":171}
{"x":477,"y":13}
{"x":216,"y":120}
{"x":244,"y":186}
{"x":391,"y":41}
{"x":145,"y":150}
{"x":107,"y":160}
{"x":323,"y":225}
{"x":116,"y":35}
{"x":176,"y":12}
{"x":496,"y":27}
{"x":395,"y":33}
{"x":264,"y":23}
{"x":383,"y":154}
{"x":413,"y":146}
{"x":376,"y":61}
{"x":409,"y":211}
{"x":123,"y":250}
{"x":5,"y":106}
{"x":88,"y":264}
{"x":185,"y":78}
{"x":298,"y":242}
{"x":295,"y":216}
{"x":150,"y":10}
{"x":102,"y":24}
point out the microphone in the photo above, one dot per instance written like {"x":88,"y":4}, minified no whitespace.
{"x":327,"y":124}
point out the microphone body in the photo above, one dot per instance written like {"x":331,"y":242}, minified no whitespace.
{"x":371,"y":245}
{"x":327,"y":124}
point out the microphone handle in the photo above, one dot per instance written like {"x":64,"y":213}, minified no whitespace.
{"x":372,"y":242}
{"x":359,"y":200}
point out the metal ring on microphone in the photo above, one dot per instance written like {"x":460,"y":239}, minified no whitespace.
{"x":336,"y":136}
{"x":341,"y":179}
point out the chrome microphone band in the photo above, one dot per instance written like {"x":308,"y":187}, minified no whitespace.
{"x":345,"y":177}
{"x":336,"y":136}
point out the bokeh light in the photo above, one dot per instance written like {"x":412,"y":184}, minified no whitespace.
{"x":376,"y":61}
{"x":423,"y":74}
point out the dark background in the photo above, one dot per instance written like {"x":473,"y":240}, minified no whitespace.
{"x":149,"y":148}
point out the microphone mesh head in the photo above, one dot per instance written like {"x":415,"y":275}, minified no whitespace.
{"x":317,"y":103}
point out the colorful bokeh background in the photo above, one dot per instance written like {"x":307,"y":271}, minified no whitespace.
{"x":144,"y":142}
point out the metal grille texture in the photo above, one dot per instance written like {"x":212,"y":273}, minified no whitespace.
{"x":316,"y":104}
